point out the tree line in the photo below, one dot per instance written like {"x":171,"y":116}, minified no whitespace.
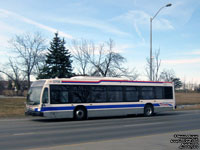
{"x":34,"y":57}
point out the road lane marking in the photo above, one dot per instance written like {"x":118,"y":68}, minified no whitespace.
{"x":4,"y":120}
{"x":21,"y":134}
{"x":142,"y":124}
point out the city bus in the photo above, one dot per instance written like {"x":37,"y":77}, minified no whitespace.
{"x":84,"y":97}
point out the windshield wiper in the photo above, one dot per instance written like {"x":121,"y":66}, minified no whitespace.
{"x":33,"y":103}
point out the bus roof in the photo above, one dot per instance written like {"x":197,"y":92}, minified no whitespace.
{"x":102,"y":81}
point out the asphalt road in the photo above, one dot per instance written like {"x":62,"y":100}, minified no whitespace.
{"x":34,"y":133}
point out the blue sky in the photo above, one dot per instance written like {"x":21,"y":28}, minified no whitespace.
{"x":175,"y":30}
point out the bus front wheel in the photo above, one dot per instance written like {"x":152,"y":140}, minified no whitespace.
{"x":80,"y":114}
{"x":148,"y":110}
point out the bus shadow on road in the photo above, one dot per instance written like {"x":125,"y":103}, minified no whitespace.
{"x":89,"y":119}
{"x":47,"y":120}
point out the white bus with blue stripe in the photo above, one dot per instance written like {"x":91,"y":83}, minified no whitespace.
{"x":83,"y":97}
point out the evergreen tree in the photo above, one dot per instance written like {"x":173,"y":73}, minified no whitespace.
{"x":58,"y":60}
{"x":177,"y":82}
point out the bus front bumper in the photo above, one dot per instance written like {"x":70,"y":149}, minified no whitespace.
{"x":33,"y":113}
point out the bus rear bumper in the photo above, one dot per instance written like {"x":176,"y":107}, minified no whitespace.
{"x":161,"y":109}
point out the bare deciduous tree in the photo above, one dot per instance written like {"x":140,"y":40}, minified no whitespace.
{"x":28,"y":48}
{"x":100,"y":60}
{"x":167,"y":75}
{"x":80,"y":50}
{"x":1,"y":78}
{"x":156,"y":63}
{"x":13,"y":72}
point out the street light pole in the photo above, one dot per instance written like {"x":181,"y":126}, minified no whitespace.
{"x":151,"y":20}
{"x":151,"y":49}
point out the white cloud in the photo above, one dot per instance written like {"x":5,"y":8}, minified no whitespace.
{"x":142,"y":18}
{"x":190,"y":53}
{"x":195,"y":52}
{"x":94,"y":24}
{"x":162,"y":24}
{"x":29,"y":21}
{"x":3,"y":41}
{"x":182,"y":61}
{"x":5,"y":28}
{"x":182,"y":11}
{"x":139,"y":32}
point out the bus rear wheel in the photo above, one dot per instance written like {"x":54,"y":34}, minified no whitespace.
{"x":148,"y":111}
{"x":80,"y":114}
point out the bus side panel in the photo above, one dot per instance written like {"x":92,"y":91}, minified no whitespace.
{"x":114,"y":112}
{"x":58,"y":114}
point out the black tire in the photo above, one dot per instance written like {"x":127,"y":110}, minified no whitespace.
{"x":80,"y":114}
{"x":148,"y":111}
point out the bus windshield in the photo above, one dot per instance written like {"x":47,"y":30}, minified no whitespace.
{"x":33,"y":97}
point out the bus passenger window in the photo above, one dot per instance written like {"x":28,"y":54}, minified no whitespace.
{"x":168,"y":93}
{"x":147,"y":92}
{"x":131,"y":94}
{"x":59,"y":94}
{"x":63,"y":97}
{"x":159,"y":93}
{"x":81,"y":94}
{"x":115,"y":94}
{"x":98,"y":94}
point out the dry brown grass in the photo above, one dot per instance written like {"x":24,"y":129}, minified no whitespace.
{"x":189,"y":107}
{"x":12,"y":107}
{"x":187,"y":98}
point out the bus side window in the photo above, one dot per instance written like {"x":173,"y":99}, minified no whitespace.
{"x":59,"y":94}
{"x":45,"y":96}
{"x":98,"y":94}
{"x":114,"y":94}
{"x":147,"y":92}
{"x":168,"y":93}
{"x":131,"y":94}
{"x":81,"y":94}
{"x":64,"y":97}
{"x":159,"y":93}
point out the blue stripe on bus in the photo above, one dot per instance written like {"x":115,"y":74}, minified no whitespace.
{"x":114,"y":106}
{"x":57,"y":108}
{"x":94,"y":107}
